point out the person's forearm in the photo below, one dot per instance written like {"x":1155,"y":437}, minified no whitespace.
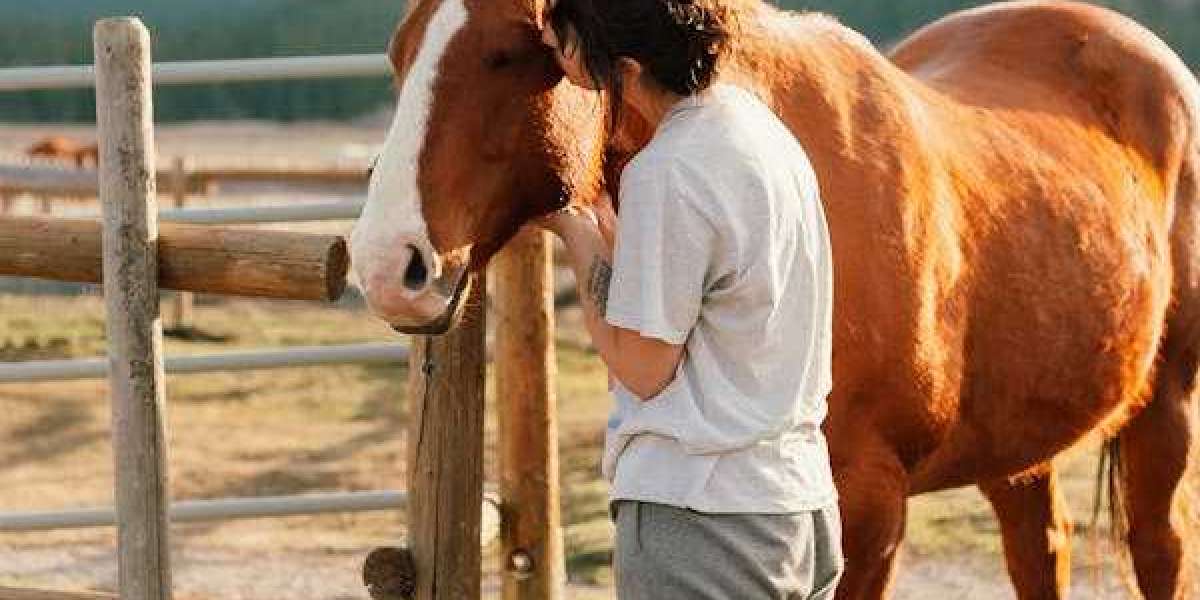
{"x":643,"y":366}
{"x":590,"y":259}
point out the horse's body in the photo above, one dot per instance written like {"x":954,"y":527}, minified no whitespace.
{"x":65,"y":149}
{"x":1012,"y":210}
{"x":1012,"y":200}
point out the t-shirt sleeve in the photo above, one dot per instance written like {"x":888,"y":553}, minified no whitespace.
{"x":664,"y":250}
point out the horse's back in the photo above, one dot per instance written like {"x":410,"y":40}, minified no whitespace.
{"x":1084,"y":62}
{"x":1087,"y":119}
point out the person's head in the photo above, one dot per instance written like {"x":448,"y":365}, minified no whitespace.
{"x":667,"y":46}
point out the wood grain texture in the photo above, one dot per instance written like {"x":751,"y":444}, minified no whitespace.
{"x":181,"y":311}
{"x":11,"y":593}
{"x":197,"y":258}
{"x":445,"y":451}
{"x":124,"y":116}
{"x":527,"y":418}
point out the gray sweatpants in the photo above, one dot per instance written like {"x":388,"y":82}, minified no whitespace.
{"x":668,"y":553}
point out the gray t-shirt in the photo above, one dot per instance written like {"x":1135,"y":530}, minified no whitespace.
{"x":722,"y":246}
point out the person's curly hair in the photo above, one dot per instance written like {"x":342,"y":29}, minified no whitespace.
{"x":679,"y":43}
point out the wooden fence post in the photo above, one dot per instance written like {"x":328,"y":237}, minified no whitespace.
{"x":527,"y":421}
{"x":124,"y":115}
{"x":445,"y":456}
{"x":180,"y":317}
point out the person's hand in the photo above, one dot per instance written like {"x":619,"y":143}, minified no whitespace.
{"x":567,"y":219}
{"x":606,"y":219}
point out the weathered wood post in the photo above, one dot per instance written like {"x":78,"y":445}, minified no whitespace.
{"x":124,"y":115}
{"x":180,"y":317}
{"x":527,"y":418}
{"x":445,"y":456}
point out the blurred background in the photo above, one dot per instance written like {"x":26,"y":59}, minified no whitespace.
{"x":335,"y":428}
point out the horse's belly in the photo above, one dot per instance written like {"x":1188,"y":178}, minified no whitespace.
{"x":1062,"y":313}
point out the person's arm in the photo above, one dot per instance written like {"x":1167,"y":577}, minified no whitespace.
{"x":645,"y":366}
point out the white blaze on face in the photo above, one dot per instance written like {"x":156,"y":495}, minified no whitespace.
{"x":391,"y":224}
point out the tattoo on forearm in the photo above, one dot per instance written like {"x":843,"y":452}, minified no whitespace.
{"x":599,"y":277}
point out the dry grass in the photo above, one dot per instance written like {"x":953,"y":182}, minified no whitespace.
{"x":341,"y":428}
{"x":245,"y":434}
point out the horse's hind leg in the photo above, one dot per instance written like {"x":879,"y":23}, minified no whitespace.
{"x":1156,"y":444}
{"x":1037,"y":533}
{"x":1154,"y":450}
{"x":873,"y":491}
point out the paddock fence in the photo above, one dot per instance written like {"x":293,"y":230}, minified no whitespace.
{"x":449,"y":515}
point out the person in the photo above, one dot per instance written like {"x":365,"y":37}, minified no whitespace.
{"x":713,"y":314}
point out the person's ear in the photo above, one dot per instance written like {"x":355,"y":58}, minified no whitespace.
{"x":631,"y":70}
{"x":549,"y":36}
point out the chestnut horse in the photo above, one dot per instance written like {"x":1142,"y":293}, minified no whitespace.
{"x":1013,"y":202}
{"x":61,"y":148}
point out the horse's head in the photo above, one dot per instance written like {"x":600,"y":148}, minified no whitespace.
{"x":487,"y":135}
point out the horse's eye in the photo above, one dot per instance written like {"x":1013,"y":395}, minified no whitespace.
{"x":371,"y":167}
{"x":498,"y":60}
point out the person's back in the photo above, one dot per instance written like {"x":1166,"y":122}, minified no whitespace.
{"x":712,"y":312}
{"x":730,"y":195}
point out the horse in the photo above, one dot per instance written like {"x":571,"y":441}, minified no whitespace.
{"x":1013,"y":195}
{"x":66,"y":149}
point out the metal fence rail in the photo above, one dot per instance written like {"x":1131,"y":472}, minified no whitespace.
{"x":193,"y":511}
{"x":310,"y":356}
{"x":56,"y":179}
{"x":213,"y":510}
{"x":21,"y":79}
{"x":246,"y":215}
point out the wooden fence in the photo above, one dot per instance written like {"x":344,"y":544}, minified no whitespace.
{"x":445,"y":490}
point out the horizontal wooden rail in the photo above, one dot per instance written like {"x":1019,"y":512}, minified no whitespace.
{"x":238,"y":262}
{"x":14,"y":593}
{"x":298,"y":174}
{"x":33,"y":371}
{"x":80,"y":183}
{"x":83,"y":183}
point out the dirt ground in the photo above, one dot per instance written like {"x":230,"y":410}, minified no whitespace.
{"x":340,"y":429}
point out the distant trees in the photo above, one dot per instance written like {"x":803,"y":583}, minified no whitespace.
{"x":58,"y":32}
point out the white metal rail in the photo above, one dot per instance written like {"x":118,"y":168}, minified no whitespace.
{"x":212,"y":510}
{"x":223,"y":509}
{"x":245,"y":215}
{"x":20,"y":79}
{"x":303,"y":356}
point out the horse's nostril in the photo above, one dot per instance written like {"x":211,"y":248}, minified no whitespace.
{"x":416,"y":275}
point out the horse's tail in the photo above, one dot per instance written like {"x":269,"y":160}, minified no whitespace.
{"x":1108,"y":492}
{"x":1108,"y":502}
